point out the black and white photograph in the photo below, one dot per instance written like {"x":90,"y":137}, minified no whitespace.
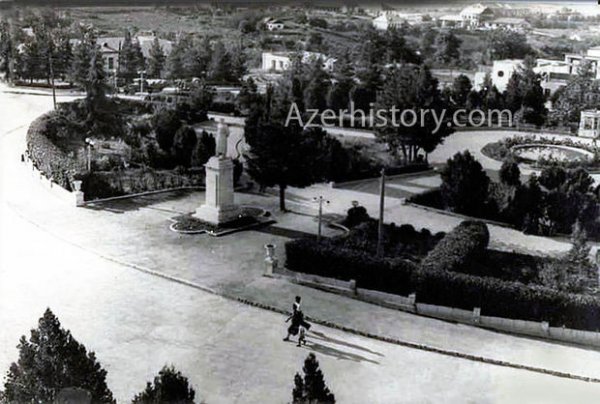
{"x":315,"y":202}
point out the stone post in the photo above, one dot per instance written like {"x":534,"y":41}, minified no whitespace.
{"x":271,"y":261}
{"x":476,"y":315}
{"x":79,"y":195}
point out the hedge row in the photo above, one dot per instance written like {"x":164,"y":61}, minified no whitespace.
{"x":45,"y":155}
{"x":495,"y":297}
{"x":466,"y":242}
{"x":391,"y":275}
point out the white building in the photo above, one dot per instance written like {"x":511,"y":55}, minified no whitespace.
{"x":500,"y":74}
{"x":275,"y":25}
{"x":589,"y":124}
{"x":471,"y":17}
{"x":281,"y":61}
{"x":394,"y":19}
{"x":509,"y":24}
{"x":475,"y":15}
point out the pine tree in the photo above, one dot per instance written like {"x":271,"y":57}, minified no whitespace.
{"x":95,"y":86}
{"x":513,"y":94}
{"x":174,"y":67}
{"x":534,"y":110}
{"x":338,"y":97}
{"x":461,"y":87}
{"x":282,"y":156}
{"x":409,"y":87}
{"x":6,"y":50}
{"x":156,"y":60}
{"x":311,"y":390}
{"x":317,"y":87}
{"x":184,"y":143}
{"x":82,"y":58}
{"x":575,"y":272}
{"x":128,"y":59}
{"x":170,"y":386}
{"x":220,"y":69}
{"x":52,"y":360}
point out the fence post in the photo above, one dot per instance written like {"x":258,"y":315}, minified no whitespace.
{"x":476,"y":319}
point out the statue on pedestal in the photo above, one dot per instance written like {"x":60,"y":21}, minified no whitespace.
{"x":222,"y":135}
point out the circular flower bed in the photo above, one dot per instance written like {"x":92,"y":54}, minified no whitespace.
{"x":542,"y":152}
{"x":534,"y":152}
{"x":249,"y":217}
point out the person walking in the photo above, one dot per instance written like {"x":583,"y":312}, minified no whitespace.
{"x":298,"y":325}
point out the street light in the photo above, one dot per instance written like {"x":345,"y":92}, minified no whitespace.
{"x":90,"y":145}
{"x":321,"y":200}
{"x":141,"y":73}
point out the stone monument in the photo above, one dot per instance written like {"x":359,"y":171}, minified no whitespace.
{"x":219,"y":206}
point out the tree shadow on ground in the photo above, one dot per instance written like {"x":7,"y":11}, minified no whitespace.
{"x":138,"y":202}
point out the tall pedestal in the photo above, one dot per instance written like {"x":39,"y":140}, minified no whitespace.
{"x":219,"y":206}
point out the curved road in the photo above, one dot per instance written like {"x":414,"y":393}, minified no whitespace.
{"x":232,"y":353}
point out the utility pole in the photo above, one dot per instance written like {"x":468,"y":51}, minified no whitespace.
{"x":51,"y":65}
{"x":320,"y":199}
{"x":381,"y":207}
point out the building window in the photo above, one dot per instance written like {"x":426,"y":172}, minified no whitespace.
{"x":281,"y":64}
{"x":111,"y":63}
{"x":500,"y":73}
{"x":273,"y":64}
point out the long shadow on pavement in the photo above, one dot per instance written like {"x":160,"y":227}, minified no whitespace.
{"x":323,"y":337}
{"x":336,"y":353}
{"x":139,"y":202}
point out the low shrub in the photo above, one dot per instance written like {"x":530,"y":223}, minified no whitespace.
{"x":466,"y":242}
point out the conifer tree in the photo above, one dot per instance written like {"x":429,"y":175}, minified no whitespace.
{"x":52,"y":360}
{"x":169,"y":387}
{"x":311,"y":389}
{"x":156,"y":60}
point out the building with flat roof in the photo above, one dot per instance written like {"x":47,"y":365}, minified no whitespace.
{"x":281,"y":61}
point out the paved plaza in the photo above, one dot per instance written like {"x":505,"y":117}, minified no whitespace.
{"x":55,"y":255}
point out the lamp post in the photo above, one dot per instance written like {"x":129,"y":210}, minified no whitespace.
{"x":90,"y":145}
{"x":320,"y":200}
{"x":381,"y":207}
{"x":142,"y":73}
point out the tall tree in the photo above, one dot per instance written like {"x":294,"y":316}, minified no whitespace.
{"x":170,"y":386}
{"x":575,"y":272}
{"x":156,"y":60}
{"x":282,"y":156}
{"x":220,"y":64}
{"x":317,"y":87}
{"x":312,"y":389}
{"x":52,"y":360}
{"x":534,"y":110}
{"x":410,"y":88}
{"x":461,"y":87}
{"x":465,"y":185}
{"x":129,"y":62}
{"x":6,"y":50}
{"x":184,"y":143}
{"x":447,"y":48}
{"x":82,"y":58}
{"x":338,"y":97}
{"x":505,"y":44}
{"x":174,"y":66}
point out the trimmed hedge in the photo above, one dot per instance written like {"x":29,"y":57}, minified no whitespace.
{"x":45,"y":155}
{"x":391,"y":275}
{"x":435,"y":285}
{"x":499,"y":298}
{"x":459,"y":248}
